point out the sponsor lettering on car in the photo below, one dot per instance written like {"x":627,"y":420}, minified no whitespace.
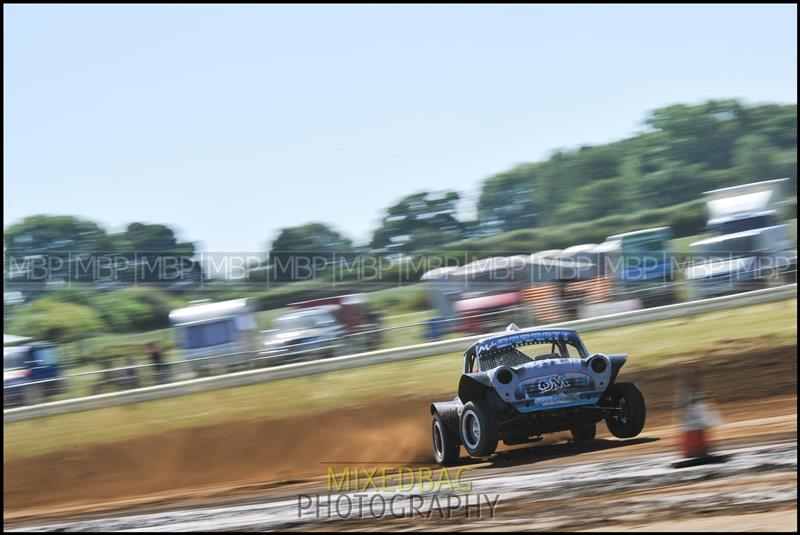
{"x":553,"y":383}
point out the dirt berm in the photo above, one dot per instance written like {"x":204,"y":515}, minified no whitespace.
{"x":392,"y":431}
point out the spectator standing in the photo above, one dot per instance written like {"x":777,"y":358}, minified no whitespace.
{"x":157,"y":360}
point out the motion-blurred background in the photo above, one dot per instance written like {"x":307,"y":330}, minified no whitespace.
{"x":197,"y":191}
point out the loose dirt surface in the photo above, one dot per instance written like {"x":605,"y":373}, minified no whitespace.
{"x":773,"y":521}
{"x":239,"y":462}
{"x":586,"y":492}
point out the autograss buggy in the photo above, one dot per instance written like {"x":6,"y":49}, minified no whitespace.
{"x":519,"y":385}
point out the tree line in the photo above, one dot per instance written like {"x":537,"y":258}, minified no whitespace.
{"x":653,"y":178}
{"x":681,"y":151}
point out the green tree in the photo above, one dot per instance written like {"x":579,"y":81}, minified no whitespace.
{"x":310,"y":247}
{"x":152,"y":238}
{"x":595,"y":200}
{"x":310,"y":238}
{"x":42,"y":234}
{"x":424,"y":219}
{"x":775,"y":122}
{"x":508,"y":200}
{"x":80,"y":250}
{"x":135,"y":309}
{"x":672,"y":183}
{"x":700,"y":134}
{"x":48,"y":319}
{"x":756,"y":159}
{"x":45,"y":247}
{"x":685,"y":150}
{"x":154,"y":251}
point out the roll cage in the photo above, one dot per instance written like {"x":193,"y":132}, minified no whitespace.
{"x":559,"y":342}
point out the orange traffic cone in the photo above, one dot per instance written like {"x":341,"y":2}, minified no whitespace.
{"x":696,"y":418}
{"x":694,"y":443}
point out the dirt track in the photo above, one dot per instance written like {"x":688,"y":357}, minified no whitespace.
{"x":254,"y":456}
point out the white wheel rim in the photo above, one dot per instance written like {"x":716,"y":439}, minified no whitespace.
{"x":437,"y":441}
{"x":471,"y":429}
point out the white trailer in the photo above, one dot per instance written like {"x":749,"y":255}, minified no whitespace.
{"x":749,"y":243}
{"x":215,"y":336}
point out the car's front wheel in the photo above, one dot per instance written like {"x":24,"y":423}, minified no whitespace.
{"x":479,"y":429}
{"x":627,"y":420}
{"x":445,"y":442}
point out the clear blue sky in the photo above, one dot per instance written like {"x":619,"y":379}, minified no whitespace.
{"x":231,"y":122}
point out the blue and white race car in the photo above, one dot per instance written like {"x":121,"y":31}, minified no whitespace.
{"x":519,"y":385}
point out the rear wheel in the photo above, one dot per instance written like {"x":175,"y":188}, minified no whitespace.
{"x":629,"y":420}
{"x":479,"y":430}
{"x":445,"y":442}
{"x":584,"y":433}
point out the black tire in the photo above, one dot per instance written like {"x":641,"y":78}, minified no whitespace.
{"x":478,"y":428}
{"x":445,"y":442}
{"x":630,"y":421}
{"x":584,"y":433}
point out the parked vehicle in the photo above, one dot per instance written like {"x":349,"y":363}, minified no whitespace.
{"x":323,"y":327}
{"x":216,"y":336}
{"x":303,"y":335}
{"x":641,"y":265}
{"x":519,"y":385}
{"x":486,"y":313}
{"x":749,"y":243}
{"x":31,"y":373}
{"x":443,"y":291}
{"x":475,"y":297}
